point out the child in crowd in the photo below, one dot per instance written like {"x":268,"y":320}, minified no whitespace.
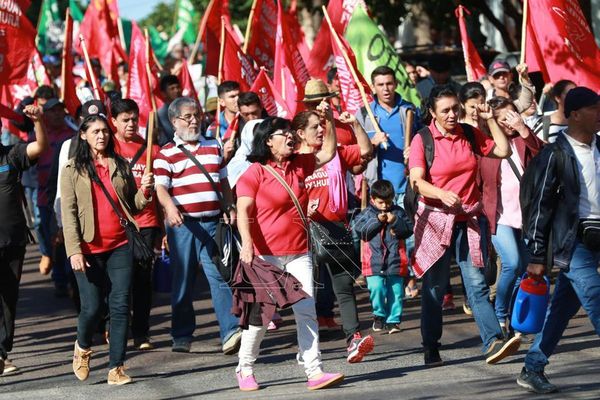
{"x":384,"y":226}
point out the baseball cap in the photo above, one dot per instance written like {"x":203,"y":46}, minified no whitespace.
{"x":498,"y":66}
{"x":93,"y":107}
{"x":51,"y":103}
{"x":578,"y":98}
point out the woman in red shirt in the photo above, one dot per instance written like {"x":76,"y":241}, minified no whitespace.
{"x":328,"y":206}
{"x":272,"y":228}
{"x":96,"y":242}
{"x":447,"y":220}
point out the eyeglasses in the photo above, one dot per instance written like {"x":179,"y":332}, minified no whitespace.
{"x":282,"y":133}
{"x":188,"y":117}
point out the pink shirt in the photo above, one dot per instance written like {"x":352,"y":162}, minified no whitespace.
{"x":509,"y":207}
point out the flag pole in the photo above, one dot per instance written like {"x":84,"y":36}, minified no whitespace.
{"x":361,"y":89}
{"x":524,"y":30}
{"x":63,"y":67}
{"x":88,"y":65}
{"x":200,"y":30}
{"x":249,"y":27}
{"x":149,"y":70}
{"x":220,"y":75}
{"x":150,"y":141}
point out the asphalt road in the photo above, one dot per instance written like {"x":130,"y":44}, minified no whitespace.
{"x":46,"y":328}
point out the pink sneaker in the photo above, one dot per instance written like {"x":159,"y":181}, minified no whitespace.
{"x":246,"y":383}
{"x":324,"y":381}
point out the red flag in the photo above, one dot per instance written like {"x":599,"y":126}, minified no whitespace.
{"x":269,"y":97}
{"x":321,"y":55}
{"x":261,"y":43}
{"x":138,"y":81}
{"x":17,"y":41}
{"x":566,"y":43}
{"x":473,"y":64}
{"x":102,"y":36}
{"x":350,"y":95}
{"x":68,"y":89}
{"x":187,"y":84}
{"x":290,"y":73}
{"x":237,"y":66}
{"x":233,"y":127}
{"x":210,"y":29}
{"x":8,"y":100}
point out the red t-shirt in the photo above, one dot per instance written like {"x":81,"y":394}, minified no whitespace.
{"x":278,"y":229}
{"x":148,"y":218}
{"x":318,"y":185}
{"x":344,"y":133}
{"x":109,"y":234}
{"x":454,"y":166}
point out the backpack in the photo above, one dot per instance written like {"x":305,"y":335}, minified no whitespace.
{"x":533,"y":176}
{"x":411,"y":198}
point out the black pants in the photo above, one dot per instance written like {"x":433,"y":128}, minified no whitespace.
{"x":11,"y":267}
{"x":141,"y":290}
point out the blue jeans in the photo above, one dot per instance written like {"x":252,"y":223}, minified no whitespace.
{"x":190,"y":244}
{"x":47,"y":229}
{"x":435,"y":281}
{"x":109,"y":274}
{"x":514,"y":258}
{"x":576,"y":286}
{"x":386,"y":294}
{"x":31,"y":194}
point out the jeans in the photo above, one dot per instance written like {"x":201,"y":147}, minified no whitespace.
{"x":342,"y":277}
{"x":386,"y":294}
{"x":109,"y":274}
{"x":46,"y":231}
{"x":576,"y":286}
{"x":141,"y":290}
{"x":31,"y":194}
{"x":435,"y":281}
{"x":11,"y":268}
{"x":190,"y":244}
{"x":514,"y":258}
{"x":300,"y":266}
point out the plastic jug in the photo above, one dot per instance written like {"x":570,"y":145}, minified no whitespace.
{"x":162,"y":274}
{"x":530,"y":306}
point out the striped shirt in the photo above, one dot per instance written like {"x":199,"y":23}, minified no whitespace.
{"x":189,"y":188}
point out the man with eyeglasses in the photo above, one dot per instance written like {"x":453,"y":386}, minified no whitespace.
{"x":192,"y":211}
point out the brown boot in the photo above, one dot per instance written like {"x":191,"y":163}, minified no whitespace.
{"x":45,"y":265}
{"x":117,"y":376}
{"x":81,"y":362}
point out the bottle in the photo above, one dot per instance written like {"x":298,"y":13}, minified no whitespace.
{"x":531,"y":303}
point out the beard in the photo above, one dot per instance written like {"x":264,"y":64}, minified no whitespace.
{"x":189,"y":136}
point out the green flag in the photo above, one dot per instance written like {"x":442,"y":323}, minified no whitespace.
{"x":126,"y":25}
{"x":372,"y":49}
{"x":186,"y":20}
{"x":49,"y":38}
{"x":75,"y":11}
{"x":158,"y":43}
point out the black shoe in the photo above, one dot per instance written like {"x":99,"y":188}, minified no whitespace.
{"x":501,"y":349}
{"x":378,"y":324}
{"x":432,"y":357}
{"x":535,"y":382}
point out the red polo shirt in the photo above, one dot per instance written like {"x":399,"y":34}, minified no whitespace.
{"x":278,"y":229}
{"x":454,"y":166}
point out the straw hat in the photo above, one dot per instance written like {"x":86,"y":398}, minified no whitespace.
{"x":211,"y":104}
{"x":315,"y":91}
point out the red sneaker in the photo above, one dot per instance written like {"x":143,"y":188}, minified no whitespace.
{"x":327,"y":324}
{"x":359,"y":347}
{"x":448,"y":303}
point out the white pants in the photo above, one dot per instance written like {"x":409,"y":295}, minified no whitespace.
{"x":307,"y":328}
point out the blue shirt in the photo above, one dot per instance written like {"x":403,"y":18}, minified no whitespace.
{"x":224,"y":124}
{"x":391,"y":161}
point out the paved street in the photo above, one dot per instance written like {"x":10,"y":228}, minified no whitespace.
{"x":46,"y":328}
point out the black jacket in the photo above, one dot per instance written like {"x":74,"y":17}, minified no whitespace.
{"x":555,"y":204}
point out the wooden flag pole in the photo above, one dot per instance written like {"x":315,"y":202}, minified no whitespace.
{"x":150,"y":140}
{"x":149,"y":71}
{"x":524,"y":30}
{"x":361,"y":89}
{"x":249,"y":27}
{"x":200,"y":30}
{"x":220,"y":75}
{"x":63,"y":67}
{"x":410,"y":117}
{"x":90,"y":70}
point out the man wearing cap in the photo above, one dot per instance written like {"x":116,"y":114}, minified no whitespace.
{"x":58,"y":131}
{"x":565,"y":199}
{"x":13,"y":161}
{"x":501,"y":79}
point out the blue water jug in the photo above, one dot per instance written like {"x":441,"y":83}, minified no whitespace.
{"x":530,"y":306}
{"x":162,"y":274}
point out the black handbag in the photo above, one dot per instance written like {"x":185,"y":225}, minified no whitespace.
{"x":332,"y":242}
{"x":142,"y":253}
{"x":589,"y":230}
{"x":226,"y":236}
